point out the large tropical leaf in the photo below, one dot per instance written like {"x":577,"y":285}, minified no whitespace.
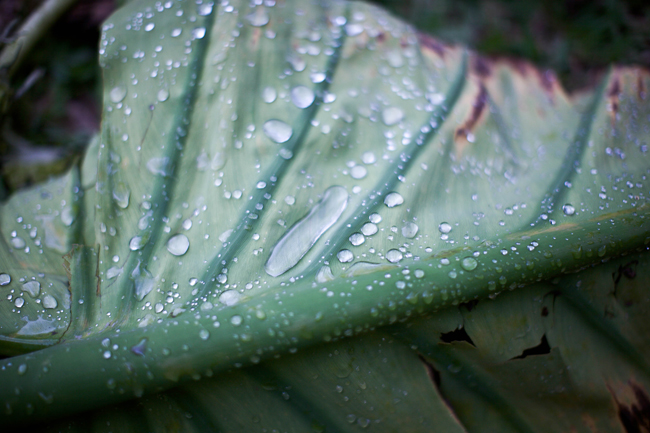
{"x":271,"y":177}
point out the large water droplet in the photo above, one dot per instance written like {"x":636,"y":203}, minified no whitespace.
{"x":358,"y":172}
{"x":49,"y":301}
{"x":18,"y":243}
{"x":345,"y":256}
{"x":269,"y":94}
{"x":278,"y":131}
{"x":302,"y":96}
{"x":149,"y":27}
{"x":121,"y":195}
{"x":369,"y":229}
{"x":394,"y":256}
{"x":375,"y":218}
{"x":258,"y":18}
{"x":229,"y":297}
{"x":393,"y":199}
{"x":163,"y":95}
{"x":304,"y":234}
{"x":357,"y":239}
{"x":469,"y":263}
{"x":368,"y":157}
{"x":5,"y":279}
{"x":392,"y":115}
{"x":33,"y":288}
{"x":317,"y":77}
{"x":204,"y":334}
{"x":409,"y":230}
{"x":198,"y":33}
{"x":178,"y":244}
{"x":568,"y":209}
{"x":158,"y":165}
{"x":236,"y":320}
{"x":19,"y":302}
{"x":117,"y":94}
{"x":444,"y":228}
{"x":144,"y":282}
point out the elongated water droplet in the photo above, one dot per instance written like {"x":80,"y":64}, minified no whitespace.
{"x":361,"y":268}
{"x":33,"y":288}
{"x":49,"y":301}
{"x":409,"y":230}
{"x":304,"y":234}
{"x":278,"y":131}
{"x":302,"y":97}
{"x":117,"y":93}
{"x":469,"y":263}
{"x":393,"y":199}
{"x":136,"y":243}
{"x":269,"y":94}
{"x":392,"y":115}
{"x":5,"y":279}
{"x":178,"y":244}
{"x":121,"y":195}
{"x":324,"y":274}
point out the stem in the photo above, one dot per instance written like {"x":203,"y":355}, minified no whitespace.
{"x":83,"y":374}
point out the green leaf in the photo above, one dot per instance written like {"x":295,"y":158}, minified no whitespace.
{"x":269,"y":178}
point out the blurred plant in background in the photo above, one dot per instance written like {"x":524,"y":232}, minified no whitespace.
{"x":54,"y":96}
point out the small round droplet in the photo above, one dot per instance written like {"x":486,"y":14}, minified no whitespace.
{"x":278,"y":131}
{"x":444,"y":228}
{"x":204,"y":334}
{"x":33,"y":288}
{"x":358,"y":172}
{"x":368,"y":158}
{"x":187,"y":224}
{"x":178,"y":244}
{"x":22,"y":369}
{"x":19,"y":302}
{"x":409,"y":230}
{"x":357,"y":239}
{"x":568,"y":209}
{"x":117,"y":94}
{"x":393,"y":199}
{"x":5,"y":279}
{"x":269,"y":94}
{"x":392,"y":115}
{"x":302,"y":96}
{"x":469,"y":263}
{"x":236,"y":320}
{"x":49,"y":302}
{"x":345,"y":256}
{"x":369,"y":229}
{"x":394,"y":256}
{"x":163,"y":95}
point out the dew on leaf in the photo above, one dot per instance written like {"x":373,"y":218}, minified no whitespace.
{"x":198,"y":33}
{"x":369,"y":229}
{"x":375,"y":218}
{"x":469,"y":263}
{"x":229,"y":297}
{"x":236,"y":320}
{"x":345,"y":256}
{"x":394,"y":256}
{"x":178,"y":244}
{"x":33,"y":288}
{"x":568,"y":209}
{"x":357,"y":239}
{"x":158,"y":165}
{"x":358,"y":172}
{"x":136,"y":243}
{"x":149,"y":27}
{"x":163,"y":95}
{"x":117,"y":94}
{"x":49,"y":302}
{"x":18,"y":243}
{"x":269,"y":94}
{"x":444,"y":228}
{"x":204,"y":334}
{"x":317,"y":77}
{"x":299,"y":239}
{"x":19,"y":302}
{"x":393,"y":199}
{"x":277,"y":130}
{"x":409,"y":230}
{"x":5,"y":279}
{"x":302,"y":96}
{"x":392,"y":115}
{"x":259,"y":18}
{"x":121,"y":195}
{"x":368,"y":158}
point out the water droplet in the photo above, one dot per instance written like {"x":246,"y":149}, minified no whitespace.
{"x":568,"y":209}
{"x":198,"y":33}
{"x":5,"y":279}
{"x":22,"y":369}
{"x":67,"y":216}
{"x":324,"y":274}
{"x":278,"y":131}
{"x":163,"y":95}
{"x":392,"y":115}
{"x":444,"y":228}
{"x":205,"y":9}
{"x":269,"y":94}
{"x":260,"y":314}
{"x":117,"y":94}
{"x":345,"y":256}
{"x":18,"y":243}
{"x":140,"y":348}
{"x":259,"y":18}
{"x":33,"y":288}
{"x":49,"y":302}
{"x":229,"y":297}
{"x":299,"y":239}
{"x":369,"y":229}
{"x":19,"y":302}
{"x":302,"y":97}
{"x":149,"y":27}
{"x":158,"y":165}
{"x":178,"y":244}
{"x":409,"y":230}
{"x":469,"y":263}
{"x":317,"y":77}
{"x":204,"y":334}
{"x":368,"y":158}
{"x":419,"y":273}
{"x":107,"y":354}
{"x":113,"y":272}
{"x":353,"y":29}
{"x":375,"y":218}
{"x":357,"y":239}
{"x":236,"y":320}
{"x":394,"y":256}
{"x":393,"y":199}
{"x":187,"y":224}
{"x":136,"y":243}
{"x":358,"y":172}
{"x":121,"y":195}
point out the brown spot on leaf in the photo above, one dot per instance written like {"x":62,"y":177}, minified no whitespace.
{"x":427,"y":42}
{"x":478,"y":108}
{"x":481,"y":67}
{"x":634,"y":414}
{"x":613,"y":98}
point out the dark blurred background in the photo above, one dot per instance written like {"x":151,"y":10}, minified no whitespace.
{"x":57,"y":113}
